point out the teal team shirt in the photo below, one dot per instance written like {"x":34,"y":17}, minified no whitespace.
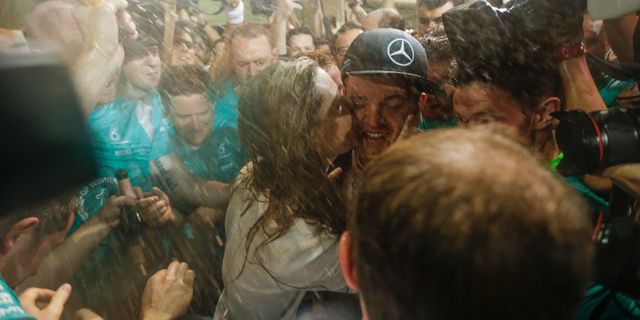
{"x":219,"y":158}
{"x":226,"y":113}
{"x":10,"y":308}
{"x":122,"y":143}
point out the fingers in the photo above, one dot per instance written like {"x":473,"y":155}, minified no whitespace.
{"x":138,"y":192}
{"x":189,"y":277}
{"x":31,"y":296}
{"x":150,"y":203}
{"x":333,"y":175}
{"x":182,"y":270}
{"x":160,"y":194}
{"x":154,"y":210}
{"x":172,"y":270}
{"x":86,"y":314}
{"x":121,"y":201}
{"x":55,"y":307}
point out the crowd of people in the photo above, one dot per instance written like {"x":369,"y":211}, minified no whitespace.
{"x":297,"y":170}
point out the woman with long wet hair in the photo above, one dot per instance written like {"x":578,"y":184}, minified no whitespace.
{"x":285,"y":214}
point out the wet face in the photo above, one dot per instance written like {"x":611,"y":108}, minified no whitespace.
{"x":430,"y":19}
{"x":200,"y":49}
{"x":192,"y":117}
{"x":325,"y":48}
{"x":218,"y":49}
{"x":479,"y":103}
{"x":336,"y":75}
{"x":332,"y":136}
{"x":143,"y":69}
{"x":300,"y":43}
{"x":251,"y":55}
{"x":594,"y":39}
{"x":379,"y":108}
{"x":343,"y":41}
{"x":183,"y":50}
{"x":441,"y":106}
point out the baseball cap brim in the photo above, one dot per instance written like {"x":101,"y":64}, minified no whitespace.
{"x":424,"y":85}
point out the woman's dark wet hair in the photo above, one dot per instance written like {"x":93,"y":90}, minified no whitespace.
{"x":278,"y":113}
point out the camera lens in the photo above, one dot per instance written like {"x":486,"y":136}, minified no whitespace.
{"x":591,"y":141}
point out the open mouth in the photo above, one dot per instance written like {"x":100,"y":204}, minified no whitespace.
{"x":374,"y":136}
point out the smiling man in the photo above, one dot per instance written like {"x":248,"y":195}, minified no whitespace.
{"x":385,"y":78}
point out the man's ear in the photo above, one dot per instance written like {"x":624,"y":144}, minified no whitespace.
{"x":275,"y":52}
{"x":425,"y":101}
{"x":9,"y":238}
{"x":346,"y":261}
{"x":543,"y":116}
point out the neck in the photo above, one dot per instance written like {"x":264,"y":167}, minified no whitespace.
{"x":544,"y":144}
{"x":6,"y":273}
{"x":132,"y":92}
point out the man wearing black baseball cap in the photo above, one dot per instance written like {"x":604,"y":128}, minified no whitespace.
{"x":385,"y":77}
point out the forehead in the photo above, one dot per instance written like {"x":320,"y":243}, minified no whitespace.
{"x":253,"y":46}
{"x":374,"y":87}
{"x":479,"y":97}
{"x":344,"y":39}
{"x":184,"y":36}
{"x":301,"y":39}
{"x":135,"y":54}
{"x":192,"y":103}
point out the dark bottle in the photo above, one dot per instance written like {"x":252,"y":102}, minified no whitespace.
{"x":130,"y":218}
{"x":132,"y":223}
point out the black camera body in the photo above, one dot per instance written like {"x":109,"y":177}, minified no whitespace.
{"x":596,"y":140}
{"x":593,"y":141}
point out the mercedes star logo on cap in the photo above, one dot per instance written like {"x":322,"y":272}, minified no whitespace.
{"x":400,"y":52}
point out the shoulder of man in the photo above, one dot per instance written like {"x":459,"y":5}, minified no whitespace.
{"x":10,"y":308}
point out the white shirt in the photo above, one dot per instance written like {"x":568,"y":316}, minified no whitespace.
{"x":270,"y":283}
{"x":143,"y":114}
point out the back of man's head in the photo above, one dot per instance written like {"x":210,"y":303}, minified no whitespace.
{"x":28,"y":234}
{"x":53,"y":216}
{"x":491,"y":46}
{"x":465,"y":224}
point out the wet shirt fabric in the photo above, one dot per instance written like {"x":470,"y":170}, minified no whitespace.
{"x":10,"y":308}
{"x":610,"y":89}
{"x":220,"y":157}
{"x":122,"y":140}
{"x":226,"y":113}
{"x":269,"y":280}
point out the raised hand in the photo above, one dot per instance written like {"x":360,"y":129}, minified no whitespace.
{"x":168,"y":292}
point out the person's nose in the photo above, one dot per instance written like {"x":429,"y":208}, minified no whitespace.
{"x":372,"y":116}
{"x":253,"y":69}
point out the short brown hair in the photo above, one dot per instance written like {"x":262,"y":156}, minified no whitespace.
{"x":185,"y":80}
{"x":252,"y":31}
{"x":465,"y":224}
{"x":323,"y":59}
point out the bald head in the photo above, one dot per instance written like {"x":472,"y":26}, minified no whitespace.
{"x":383,"y":18}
